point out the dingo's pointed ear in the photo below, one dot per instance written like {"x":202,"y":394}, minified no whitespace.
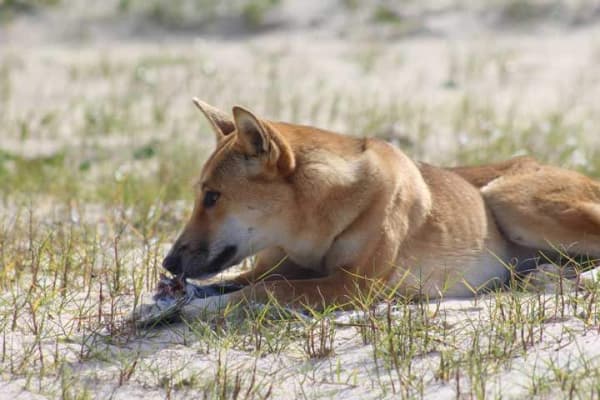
{"x":260,"y":139}
{"x":252,"y":134}
{"x":221,"y":123}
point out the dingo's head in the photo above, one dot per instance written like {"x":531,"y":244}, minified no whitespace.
{"x":241,"y":198}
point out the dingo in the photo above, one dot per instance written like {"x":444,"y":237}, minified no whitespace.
{"x":331,"y":216}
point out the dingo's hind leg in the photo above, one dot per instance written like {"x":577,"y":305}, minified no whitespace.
{"x":481,"y":175}
{"x":548,"y":208}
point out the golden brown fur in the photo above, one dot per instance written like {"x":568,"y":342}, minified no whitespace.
{"x":331,"y":217}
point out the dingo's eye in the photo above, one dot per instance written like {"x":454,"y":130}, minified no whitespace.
{"x":210,"y":198}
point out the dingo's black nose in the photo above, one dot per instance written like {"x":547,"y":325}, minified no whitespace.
{"x":172,"y":263}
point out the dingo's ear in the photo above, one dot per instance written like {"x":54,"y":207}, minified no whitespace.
{"x":252,"y":134}
{"x":258,"y":138}
{"x":221,"y":123}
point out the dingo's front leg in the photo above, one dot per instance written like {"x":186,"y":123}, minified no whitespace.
{"x":274,"y":264}
{"x":341,"y":289}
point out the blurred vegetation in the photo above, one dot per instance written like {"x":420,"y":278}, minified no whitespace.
{"x":184,"y":14}
{"x":174,"y":14}
{"x":27,"y":4}
{"x":11,"y":8}
{"x":253,"y":14}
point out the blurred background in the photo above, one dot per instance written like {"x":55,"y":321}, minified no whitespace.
{"x":97,"y":94}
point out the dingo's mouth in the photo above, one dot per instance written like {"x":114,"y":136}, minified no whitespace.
{"x":221,"y":262}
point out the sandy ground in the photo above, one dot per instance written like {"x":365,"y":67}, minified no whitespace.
{"x":352,"y":371}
